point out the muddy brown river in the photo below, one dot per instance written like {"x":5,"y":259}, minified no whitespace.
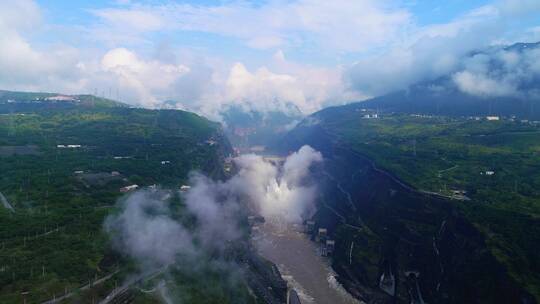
{"x":300,"y":263}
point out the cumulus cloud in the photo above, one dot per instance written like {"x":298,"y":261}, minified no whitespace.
{"x":149,"y":79}
{"x":115,"y":54}
{"x":21,"y":64}
{"x":263,"y":89}
{"x":280,"y":86}
{"x":10,"y":18}
{"x":195,"y":84}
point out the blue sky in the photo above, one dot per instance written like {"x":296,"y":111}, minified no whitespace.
{"x":206,"y":54}
{"x":82,"y":13}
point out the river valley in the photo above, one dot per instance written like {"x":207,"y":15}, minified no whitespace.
{"x":300,"y":263}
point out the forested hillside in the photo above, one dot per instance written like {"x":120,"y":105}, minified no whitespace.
{"x":431,"y":194}
{"x":63,"y":165}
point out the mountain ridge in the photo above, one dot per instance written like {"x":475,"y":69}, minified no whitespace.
{"x":442,"y":96}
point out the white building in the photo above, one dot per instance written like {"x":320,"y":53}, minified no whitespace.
{"x":68,"y":146}
{"x":370,"y":116}
{"x":61,"y":98}
{"x":128,"y":188}
{"x":492,"y":118}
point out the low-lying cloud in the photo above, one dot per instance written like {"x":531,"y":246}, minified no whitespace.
{"x":425,"y":54}
{"x":501,"y":73}
{"x":146,"y":230}
{"x":150,"y":231}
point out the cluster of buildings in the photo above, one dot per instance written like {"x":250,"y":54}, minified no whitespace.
{"x":56,"y":98}
{"x":61,"y":98}
{"x":327,"y":245}
{"x":512,"y":118}
{"x":421,"y":115}
{"x":68,"y":146}
{"x":369,"y":114}
{"x":103,"y":178}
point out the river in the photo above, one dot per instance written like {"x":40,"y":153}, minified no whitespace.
{"x":300,"y":263}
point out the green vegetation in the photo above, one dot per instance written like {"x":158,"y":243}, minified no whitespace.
{"x":209,"y":285}
{"x":441,"y":154}
{"x":5,"y":96}
{"x":53,"y":241}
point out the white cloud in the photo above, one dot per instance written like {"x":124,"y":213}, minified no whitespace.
{"x":11,"y":12}
{"x":519,"y":7}
{"x":283,"y":86}
{"x":146,"y":222}
{"x":262,"y":86}
{"x":138,"y":20}
{"x":338,"y":25}
{"x":501,"y":73}
{"x":427,"y":53}
{"x":200,"y":83}
{"x":23,"y":66}
{"x":148,"y":79}
{"x":482,"y":85}
{"x":405,"y":52}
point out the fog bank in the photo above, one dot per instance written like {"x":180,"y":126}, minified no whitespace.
{"x":198,"y":232}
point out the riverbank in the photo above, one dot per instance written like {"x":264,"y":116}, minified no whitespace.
{"x":300,"y":263}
